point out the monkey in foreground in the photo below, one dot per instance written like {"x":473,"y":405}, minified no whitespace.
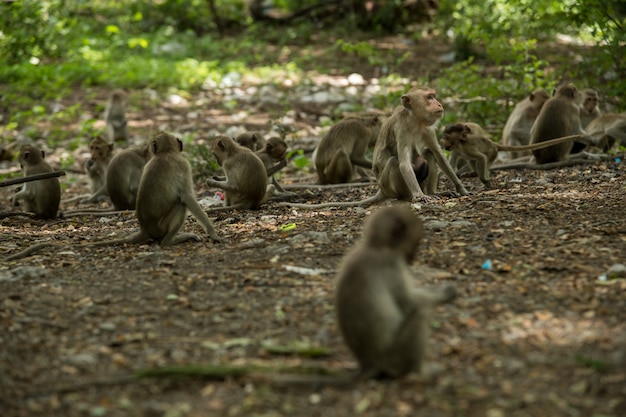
{"x":343,"y":148}
{"x":124,"y":175}
{"x":251,"y":140}
{"x":480,"y":152}
{"x":96,"y":168}
{"x":115,"y":116}
{"x":246,"y":178}
{"x":608,"y":129}
{"x":382,"y":318}
{"x":39,"y":197}
{"x":559,"y":117}
{"x":589,"y":109}
{"x":517,"y":128}
{"x":273,"y":156}
{"x":165,"y":194}
{"x":406,"y":149}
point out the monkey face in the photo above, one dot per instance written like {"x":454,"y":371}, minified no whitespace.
{"x":590,"y":104}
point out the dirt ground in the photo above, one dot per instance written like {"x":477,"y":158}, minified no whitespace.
{"x":538,"y":329}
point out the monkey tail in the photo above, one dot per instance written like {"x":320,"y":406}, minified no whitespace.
{"x":539,"y":145}
{"x":28,"y":251}
{"x":378,"y":197}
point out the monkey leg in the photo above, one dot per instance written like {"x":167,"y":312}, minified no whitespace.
{"x":173,"y":221}
{"x":339,"y":169}
{"x":408,"y":345}
{"x":391,"y":182}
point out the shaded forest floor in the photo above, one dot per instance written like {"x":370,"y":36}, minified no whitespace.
{"x":537,"y":334}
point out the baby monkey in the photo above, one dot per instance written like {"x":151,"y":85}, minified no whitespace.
{"x":40,"y":197}
{"x":480,"y":152}
{"x":273,"y":156}
{"x":246,"y":179}
{"x":383,"y":319}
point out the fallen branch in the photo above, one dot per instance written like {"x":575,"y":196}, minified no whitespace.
{"x":30,"y":178}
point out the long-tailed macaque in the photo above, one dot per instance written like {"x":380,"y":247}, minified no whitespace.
{"x":40,"y":197}
{"x":480,"y":152}
{"x":343,"y":148}
{"x":96,"y":168}
{"x":251,"y":140}
{"x":608,"y":129}
{"x":124,"y":176}
{"x":559,"y":117}
{"x":273,"y":155}
{"x":517,"y":128}
{"x":589,"y":109}
{"x":406,"y":145}
{"x":409,"y":132}
{"x":456,"y":161}
{"x":115,"y":115}
{"x":246,"y":178}
{"x":383,"y":319}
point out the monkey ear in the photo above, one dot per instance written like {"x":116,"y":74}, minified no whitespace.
{"x":43,"y":155}
{"x":26,"y":156}
{"x":180,"y":144}
{"x":153,"y":147}
{"x":406,"y":101}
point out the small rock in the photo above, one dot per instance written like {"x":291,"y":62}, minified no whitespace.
{"x":81,"y":360}
{"x":107,"y":325}
{"x":616,"y":271}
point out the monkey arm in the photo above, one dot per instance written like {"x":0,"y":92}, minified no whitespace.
{"x":406,"y":169}
{"x":224,"y":185}
{"x":192,"y":205}
{"x":361,"y":161}
{"x":274,"y":169}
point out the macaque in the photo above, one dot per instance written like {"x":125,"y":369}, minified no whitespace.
{"x":273,"y":156}
{"x":407,"y":147}
{"x":409,"y":132}
{"x":251,"y":140}
{"x":96,"y":168}
{"x":517,"y":128}
{"x":39,"y":197}
{"x":589,"y":109}
{"x":343,"y":148}
{"x":558,"y":117}
{"x":124,"y":176}
{"x":480,"y":152}
{"x":382,"y":318}
{"x":456,"y":161}
{"x":116,"y":117}
{"x":246,"y":178}
{"x":165,"y":194}
{"x":608,"y":129}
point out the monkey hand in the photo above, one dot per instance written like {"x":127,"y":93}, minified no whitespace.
{"x":90,"y":163}
{"x":423,"y":198}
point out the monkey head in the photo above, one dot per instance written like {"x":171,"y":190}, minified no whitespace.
{"x":423,"y":104}
{"x":164,"y":142}
{"x":30,"y":155}
{"x":276,"y":148}
{"x":568,"y":91}
{"x":100,"y":148}
{"x":455,"y":134}
{"x":397,"y":228}
{"x":590,"y":100}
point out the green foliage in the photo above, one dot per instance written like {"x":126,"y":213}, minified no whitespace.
{"x":486,"y":96}
{"x":33,"y":30}
{"x":300,"y":161}
{"x":203,"y":163}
